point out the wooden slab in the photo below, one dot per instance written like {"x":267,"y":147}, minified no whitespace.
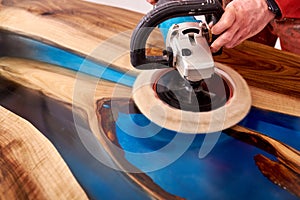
{"x":31,"y":168}
{"x":80,"y":27}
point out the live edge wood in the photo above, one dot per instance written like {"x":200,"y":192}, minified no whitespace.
{"x":31,"y":168}
{"x":286,"y":171}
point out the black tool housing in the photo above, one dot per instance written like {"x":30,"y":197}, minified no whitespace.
{"x":167,"y":9}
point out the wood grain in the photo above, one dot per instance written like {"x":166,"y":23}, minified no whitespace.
{"x":272,"y":75}
{"x":286,"y":171}
{"x":284,"y":153}
{"x":69,"y":25}
{"x":81,"y":27}
{"x":76,"y":92}
{"x":279,"y":174}
{"x":31,"y":168}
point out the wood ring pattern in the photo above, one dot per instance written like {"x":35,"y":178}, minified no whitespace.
{"x":192,"y":122}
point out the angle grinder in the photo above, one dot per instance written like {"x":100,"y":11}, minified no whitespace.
{"x":184,"y":89}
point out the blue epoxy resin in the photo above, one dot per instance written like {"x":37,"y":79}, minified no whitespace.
{"x":166,"y":25}
{"x":227,"y":172}
{"x":284,"y":128}
{"x":32,"y":49}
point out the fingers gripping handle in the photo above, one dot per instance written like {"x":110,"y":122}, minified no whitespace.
{"x":166,"y":9}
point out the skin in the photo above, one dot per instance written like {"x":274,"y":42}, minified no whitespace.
{"x":241,"y":20}
{"x":153,"y":2}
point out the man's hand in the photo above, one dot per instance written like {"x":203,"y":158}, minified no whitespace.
{"x":153,"y":2}
{"x":241,"y":20}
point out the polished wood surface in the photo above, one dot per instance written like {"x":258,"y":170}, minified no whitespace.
{"x":273,"y":75}
{"x":31,"y":168}
{"x":80,"y":27}
{"x":76,"y":26}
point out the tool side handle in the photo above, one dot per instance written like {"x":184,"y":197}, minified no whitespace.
{"x":164,"y":11}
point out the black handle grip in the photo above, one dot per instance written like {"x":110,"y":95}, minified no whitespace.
{"x":166,"y":9}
